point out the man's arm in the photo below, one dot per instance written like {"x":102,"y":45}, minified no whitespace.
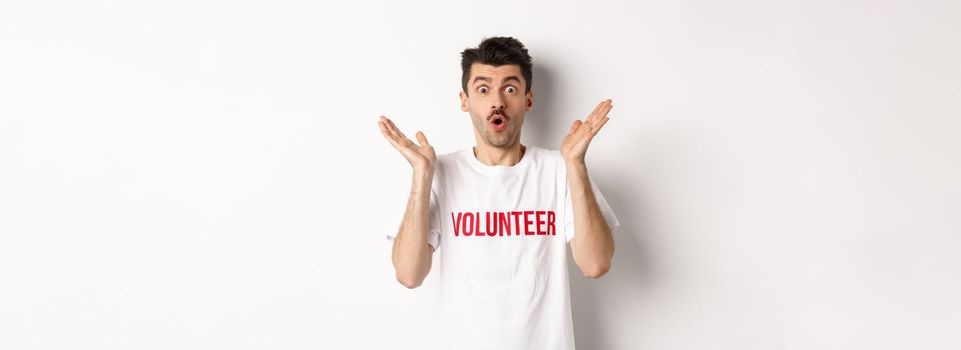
{"x":593,"y":244}
{"x":411,"y":254}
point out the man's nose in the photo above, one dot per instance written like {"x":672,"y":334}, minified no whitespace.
{"x":497,"y":102}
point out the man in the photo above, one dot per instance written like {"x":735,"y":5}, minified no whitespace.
{"x":500,"y":211}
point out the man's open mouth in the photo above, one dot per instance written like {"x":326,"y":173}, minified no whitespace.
{"x":498,"y":122}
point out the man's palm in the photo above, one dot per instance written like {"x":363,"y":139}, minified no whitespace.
{"x":419,"y":156}
{"x":574,"y":146}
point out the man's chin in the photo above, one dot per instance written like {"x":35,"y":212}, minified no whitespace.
{"x":503,"y":143}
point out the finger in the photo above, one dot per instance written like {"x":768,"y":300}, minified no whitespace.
{"x":607,"y":108}
{"x":600,"y":125}
{"x":601,"y":110}
{"x":422,"y":139}
{"x":392,"y":128}
{"x":388,"y":135}
{"x":396,"y":138}
{"x":596,"y":109}
{"x":400,"y":135}
{"x":390,"y":139}
{"x":389,"y":125}
{"x":601,"y":106}
{"x":403,"y":137}
{"x":577,"y":124}
{"x":385,"y":129}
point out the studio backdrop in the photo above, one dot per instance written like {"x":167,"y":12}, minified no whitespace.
{"x":210,"y":174}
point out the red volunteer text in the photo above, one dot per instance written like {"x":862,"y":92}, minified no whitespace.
{"x":506,"y":223}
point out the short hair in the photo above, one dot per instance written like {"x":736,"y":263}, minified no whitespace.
{"x":497,"y":51}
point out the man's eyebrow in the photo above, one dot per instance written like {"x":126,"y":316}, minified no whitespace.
{"x":481,"y":78}
{"x":488,"y":80}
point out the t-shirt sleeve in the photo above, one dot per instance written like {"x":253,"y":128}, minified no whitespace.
{"x":606,"y":211}
{"x":433,"y":223}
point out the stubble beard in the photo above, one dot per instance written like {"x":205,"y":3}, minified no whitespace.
{"x":510,"y":135}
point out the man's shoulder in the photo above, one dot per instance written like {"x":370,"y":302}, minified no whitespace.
{"x":552,"y":154}
{"x":447,"y":162}
{"x":547,"y":157}
{"x":453,"y":156}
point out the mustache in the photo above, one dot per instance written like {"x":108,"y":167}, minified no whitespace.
{"x":501,"y":113}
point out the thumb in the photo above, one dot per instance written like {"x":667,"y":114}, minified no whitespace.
{"x":422,"y":139}
{"x":577,"y":124}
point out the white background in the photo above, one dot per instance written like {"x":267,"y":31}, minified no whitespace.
{"x":209,"y":175}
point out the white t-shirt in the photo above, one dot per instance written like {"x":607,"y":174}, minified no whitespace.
{"x":502,"y":233}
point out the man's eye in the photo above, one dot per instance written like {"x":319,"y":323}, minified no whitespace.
{"x":510,"y":89}
{"x":482,"y":89}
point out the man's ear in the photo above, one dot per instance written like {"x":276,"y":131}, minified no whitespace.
{"x":463,"y":102}
{"x":530,"y":100}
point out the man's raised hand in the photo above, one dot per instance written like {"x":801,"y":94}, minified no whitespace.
{"x":421,"y":157}
{"x":574,"y":146}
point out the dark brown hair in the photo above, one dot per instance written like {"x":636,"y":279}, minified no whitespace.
{"x":497,"y":51}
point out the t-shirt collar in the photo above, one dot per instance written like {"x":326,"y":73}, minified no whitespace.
{"x":499,"y":169}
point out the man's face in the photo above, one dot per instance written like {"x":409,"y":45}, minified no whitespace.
{"x":497,"y":103}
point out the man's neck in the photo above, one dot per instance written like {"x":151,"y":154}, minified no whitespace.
{"x":489,"y":155}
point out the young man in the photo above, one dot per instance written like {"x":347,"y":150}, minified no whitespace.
{"x":503,"y":213}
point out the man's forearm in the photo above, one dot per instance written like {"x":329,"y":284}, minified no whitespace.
{"x":593,"y":244}
{"x":411,"y":253}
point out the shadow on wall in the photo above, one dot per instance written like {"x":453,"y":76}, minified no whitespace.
{"x":631,"y":269}
{"x":539,"y":123}
{"x":631,"y":276}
